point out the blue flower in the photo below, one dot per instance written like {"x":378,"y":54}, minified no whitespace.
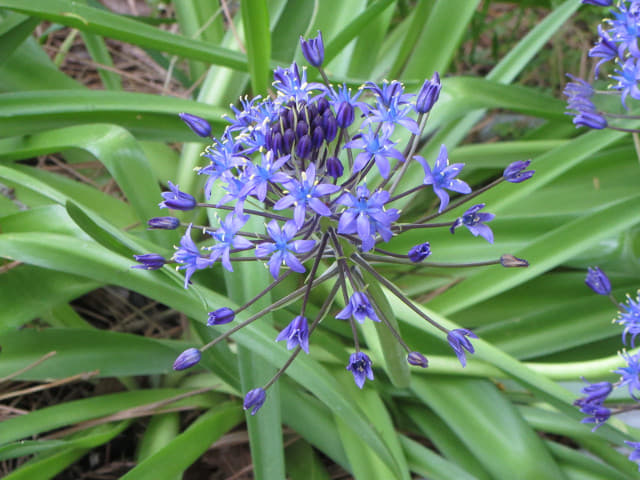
{"x":255,"y":398}
{"x":390,"y":92}
{"x":189,"y":256}
{"x":605,"y":49}
{"x":629,"y":316}
{"x":443,"y":177}
{"x":283,"y":249}
{"x":345,"y":105}
{"x":224,"y":156}
{"x":376,"y":146}
{"x":597,"y":414}
{"x":296,"y":333}
{"x":391,"y":115}
{"x":516,"y":172}
{"x":459,"y":342}
{"x":596,"y":393}
{"x":419,"y":252}
{"x":226,"y":237}
{"x":474,"y":222}
{"x":292,"y":86}
{"x":313,"y":49}
{"x":630,"y":375}
{"x":177,"y":200}
{"x":305,"y":194}
{"x":634,"y":456}
{"x":261,"y":175}
{"x":198,"y":125}
{"x":597,"y":281}
{"x":359,"y":307}
{"x":628,"y":78}
{"x":221,"y":316}
{"x":366,"y":216}
{"x":150,"y":261}
{"x":360,"y":367}
{"x":187,"y":359}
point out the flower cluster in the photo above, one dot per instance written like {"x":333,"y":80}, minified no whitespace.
{"x":617,"y":43}
{"x":320,"y":164}
{"x":592,"y":404}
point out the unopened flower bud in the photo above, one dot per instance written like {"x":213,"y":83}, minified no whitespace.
{"x":164,"y":223}
{"x":507,"y":260}
{"x":150,"y":261}
{"x":419,"y":253}
{"x":198,"y":125}
{"x":417,"y":359}
{"x":221,"y":316}
{"x":187,"y":359}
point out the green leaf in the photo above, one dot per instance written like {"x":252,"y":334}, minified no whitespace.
{"x":107,"y":24}
{"x":14,"y":30}
{"x":151,"y":117}
{"x":191,"y":444}
{"x":488,"y":423}
{"x":255,"y":19}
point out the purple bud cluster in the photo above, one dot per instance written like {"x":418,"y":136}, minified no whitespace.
{"x":319,"y":164}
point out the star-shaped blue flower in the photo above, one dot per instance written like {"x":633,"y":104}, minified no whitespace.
{"x":188,"y":254}
{"x":226,"y":238}
{"x":306,"y":193}
{"x":296,"y":333}
{"x":366,"y":216}
{"x":283,"y":249}
{"x":443,"y":177}
{"x":473,"y":220}
{"x":360,"y":308}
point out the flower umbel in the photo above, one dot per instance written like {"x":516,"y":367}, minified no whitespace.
{"x":321,"y":168}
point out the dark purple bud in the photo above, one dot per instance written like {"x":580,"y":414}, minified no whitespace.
{"x":428,"y":94}
{"x":345,"y":115}
{"x":515,"y":173}
{"x":301,"y":128}
{"x":303,"y":148}
{"x":330,"y":126}
{"x":277,"y":143}
{"x":313,"y":49}
{"x":417,"y":359}
{"x":255,"y":398}
{"x":508,"y":261}
{"x":334,"y":167}
{"x":598,"y":281}
{"x":317,"y":137}
{"x":323,"y":104}
{"x":221,"y":316}
{"x":590,"y":120}
{"x":150,"y":261}
{"x":598,"y":3}
{"x":164,"y":223}
{"x":177,"y":200}
{"x":198,"y":125}
{"x":419,"y":252}
{"x":187,"y":359}
{"x":287,"y":139}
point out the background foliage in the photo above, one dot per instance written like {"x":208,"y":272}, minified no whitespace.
{"x":80,"y":172}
